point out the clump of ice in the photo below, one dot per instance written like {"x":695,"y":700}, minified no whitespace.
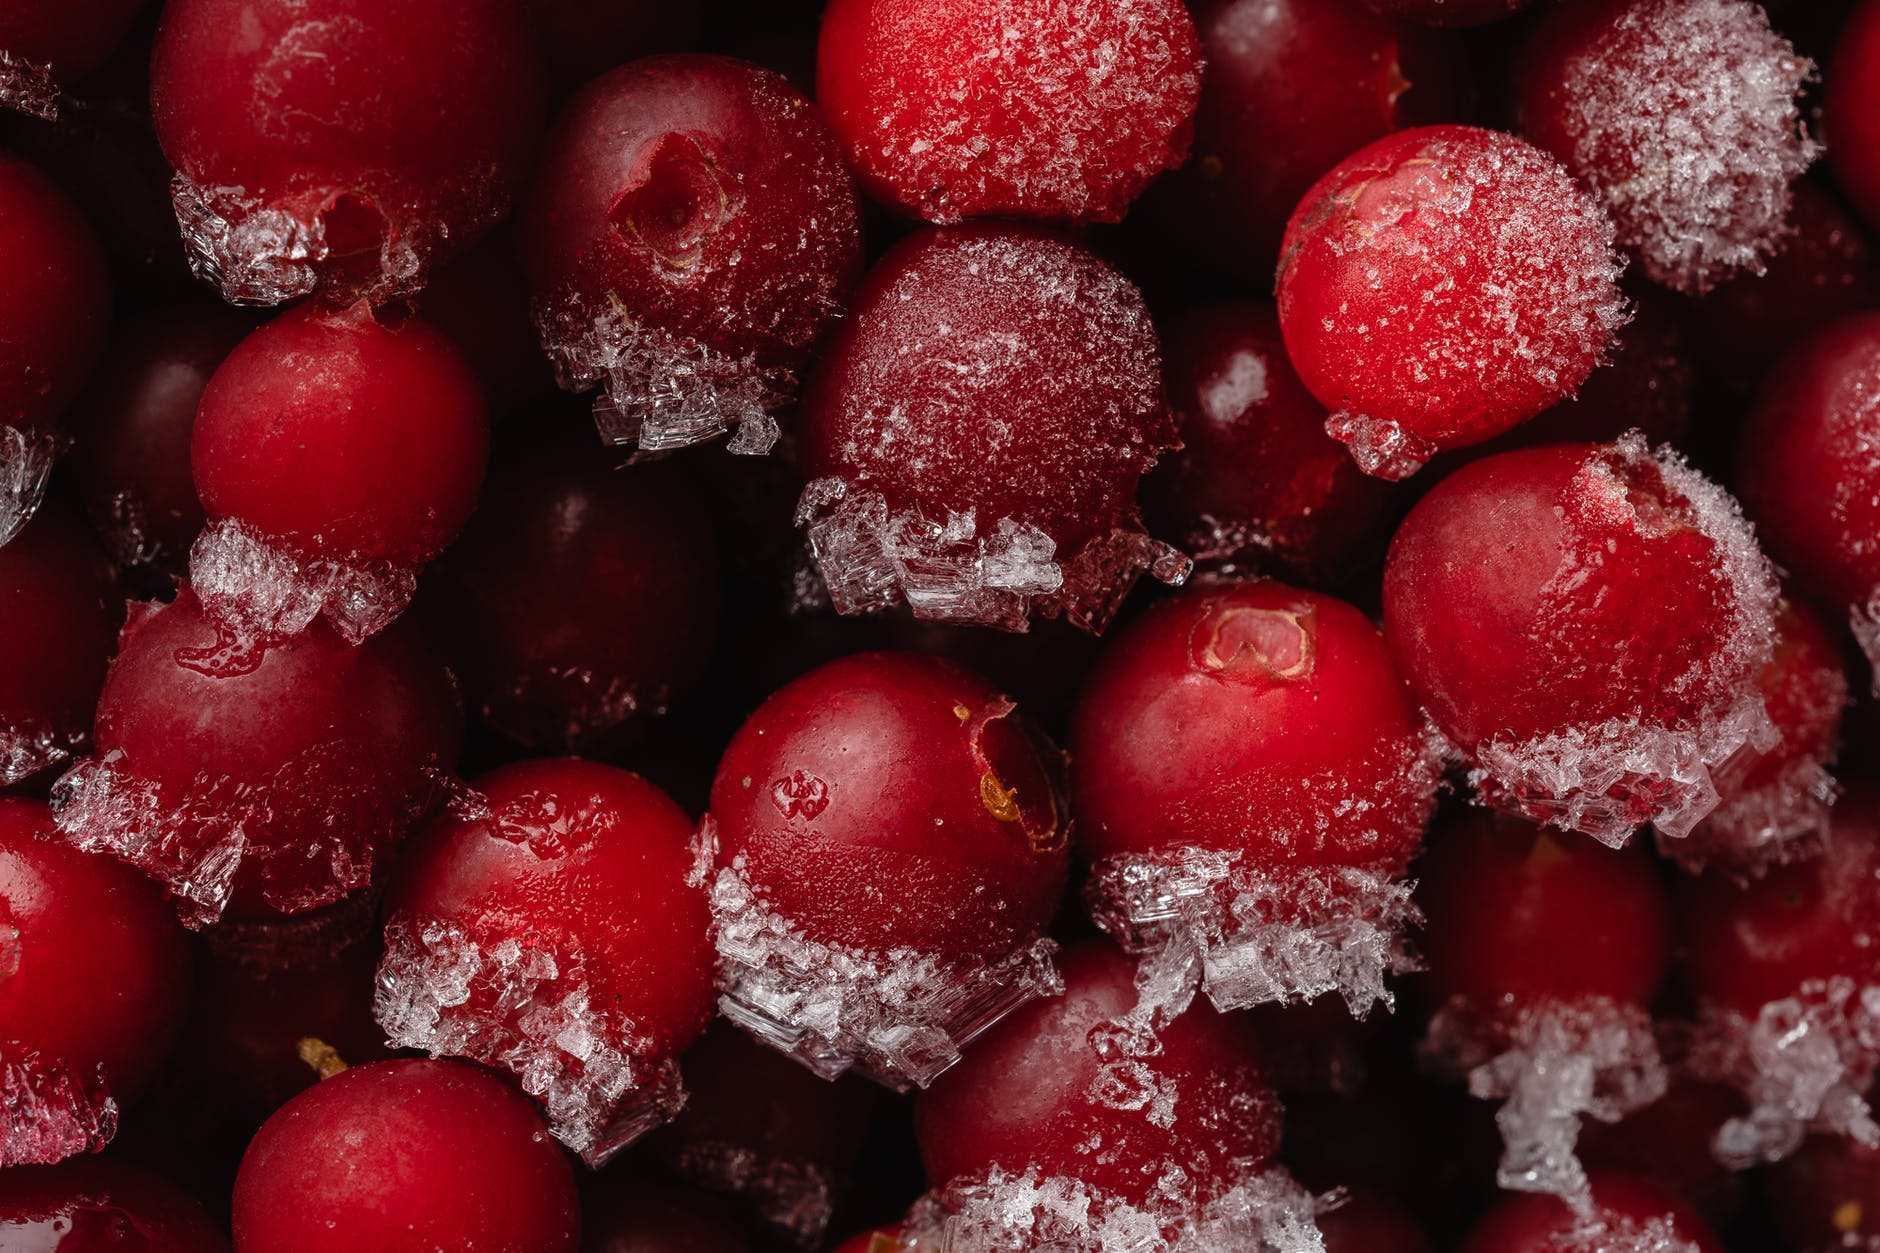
{"x":28,"y":87}
{"x":1785,"y":820}
{"x":873,"y":557}
{"x":1382,"y":448}
{"x":26,"y":749}
{"x":521,"y":1000}
{"x":1252,"y":935}
{"x":796,"y":1196}
{"x":1804,"y":1063}
{"x":26,"y":460}
{"x":1685,"y":123}
{"x":48,"y":1112}
{"x":899,"y":1017}
{"x":1551,"y":1065}
{"x":257,"y":593}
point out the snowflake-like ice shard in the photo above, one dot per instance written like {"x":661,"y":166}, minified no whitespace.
{"x":26,"y":460}
{"x":48,"y":1112}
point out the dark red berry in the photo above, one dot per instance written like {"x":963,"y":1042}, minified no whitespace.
{"x":101,"y":1205}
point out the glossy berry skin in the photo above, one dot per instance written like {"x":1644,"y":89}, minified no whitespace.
{"x":1825,"y":1196}
{"x":73,"y":39}
{"x":1025,"y":1095}
{"x":1292,"y":88}
{"x":55,"y":297}
{"x":1252,"y":718}
{"x":1851,"y":109}
{"x":1519,"y":915}
{"x":1808,"y":475}
{"x":1009,"y":108}
{"x":1449,"y":12}
{"x":59,"y":615}
{"x":695,"y":202}
{"x":1534,"y":1222}
{"x":394,"y":129}
{"x":588,"y":859}
{"x":101,"y":1205}
{"x":1257,"y":481}
{"x":1752,"y":943}
{"x":403,"y":1155}
{"x":134,"y":425}
{"x":323,"y":742}
{"x":894,"y":801}
{"x":339,"y":437}
{"x":581,"y":595}
{"x":71,"y":921}
{"x":1441,"y":286}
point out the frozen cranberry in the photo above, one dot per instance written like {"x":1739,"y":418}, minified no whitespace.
{"x":1584,"y":623}
{"x":644,"y":1215}
{"x":883,"y":815}
{"x":562,"y":908}
{"x":1044,"y":1091}
{"x":134,"y":426}
{"x":402,"y":1155}
{"x":341,"y":145}
{"x":1257,"y":480}
{"x":691,"y":235}
{"x":582,"y":39}
{"x":1624,"y":1210}
{"x":281,"y":786}
{"x":992,"y":472}
{"x":55,"y":307}
{"x":93,"y":974}
{"x":1441,"y":286}
{"x":1369,"y":1222}
{"x":1851,"y":109}
{"x":985,"y":108}
{"x":1808,"y":471}
{"x":100,"y":1205}
{"x":1292,"y":87}
{"x":1448,"y":12}
{"x":1827,"y":1196}
{"x":58,"y":624}
{"x":579,"y":596}
{"x":46,"y":44}
{"x":1696,"y":179}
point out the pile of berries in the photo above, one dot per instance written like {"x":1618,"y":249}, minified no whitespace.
{"x":939,"y":626}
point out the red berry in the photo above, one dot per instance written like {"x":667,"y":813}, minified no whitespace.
{"x":58,"y":623}
{"x":691,"y":235}
{"x":1681,"y":116}
{"x":1058,"y":110}
{"x":1851,"y":109}
{"x":1584,"y":623}
{"x":340,"y":145}
{"x":1628,"y":1211}
{"x":101,"y":1205}
{"x":1449,"y":12}
{"x":579,"y":596}
{"x":1827,"y":1196}
{"x":885,"y":813}
{"x":280,"y":786}
{"x":93,"y":978}
{"x":402,"y":1155}
{"x":991,"y":471}
{"x":1257,"y":480}
{"x":553,"y":933}
{"x":46,"y":44}
{"x":1441,"y":286}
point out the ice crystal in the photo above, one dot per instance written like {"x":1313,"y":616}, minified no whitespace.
{"x":1382,"y":448}
{"x":1783,"y":821}
{"x":27,"y":749}
{"x":28,"y":87}
{"x":26,"y":459}
{"x":48,"y":1112}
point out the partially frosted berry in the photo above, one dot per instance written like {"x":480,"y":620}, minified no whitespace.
{"x":59,"y":615}
{"x":101,"y":1205}
{"x":889,"y":847}
{"x":975,"y":432}
{"x":691,"y":235}
{"x":1851,"y":109}
{"x":1584,"y":624}
{"x":49,"y":44}
{"x":1059,"y":110}
{"x":1257,"y":482}
{"x":94,"y":974}
{"x":55,"y":307}
{"x":552,"y":932}
{"x":1449,"y":12}
{"x":1443,"y":285}
{"x":403,"y":1155}
{"x":340,"y":145}
{"x":1681,"y":116}
{"x":279,"y":787}
{"x":1629,"y":1214}
{"x":1250,"y":776}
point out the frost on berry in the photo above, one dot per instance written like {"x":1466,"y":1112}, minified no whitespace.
{"x":26,"y":459}
{"x":1804,"y":1063}
{"x":520,"y":1000}
{"x":899,"y":1017}
{"x":1683,"y":120}
{"x":258,"y":594}
{"x":28,"y":87}
{"x":1551,"y":1065}
{"x":49,"y":1113}
{"x":796,"y":1196}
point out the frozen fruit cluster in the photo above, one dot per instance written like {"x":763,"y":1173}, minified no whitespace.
{"x":447,"y":804}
